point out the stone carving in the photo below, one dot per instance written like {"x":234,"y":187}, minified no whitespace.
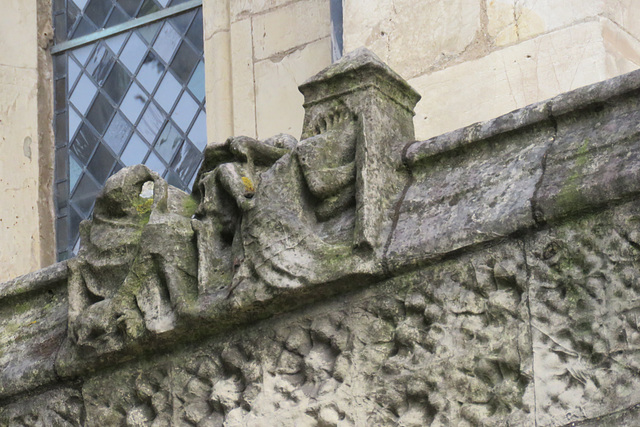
{"x":137,"y":263}
{"x":508,"y":293}
{"x":322,"y":212}
{"x":226,"y":186}
{"x":271,"y":215}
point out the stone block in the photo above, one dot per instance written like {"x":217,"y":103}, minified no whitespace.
{"x":625,"y":13}
{"x":218,"y":86}
{"x":18,"y":23}
{"x":19,"y":217}
{"x":32,"y":328}
{"x":240,"y":9}
{"x":592,"y":161}
{"x":458,"y":199}
{"x":411,"y":36}
{"x":215,"y":17}
{"x":622,"y":49}
{"x":510,"y":78}
{"x":244,"y":97}
{"x":285,"y":28}
{"x":511,"y":21}
{"x":278,"y":101}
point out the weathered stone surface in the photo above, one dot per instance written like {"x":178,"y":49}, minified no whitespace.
{"x":446,"y":346}
{"x":62,"y":407}
{"x":33,"y":317}
{"x":458,"y":199}
{"x":584,"y":316}
{"x":354,"y":277}
{"x":594,"y":160}
{"x":136,"y":266}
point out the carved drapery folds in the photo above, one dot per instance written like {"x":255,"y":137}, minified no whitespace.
{"x":265,"y":218}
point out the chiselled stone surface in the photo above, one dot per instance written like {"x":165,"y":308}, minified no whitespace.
{"x":62,"y":407}
{"x":33,"y":317}
{"x":584,"y":316}
{"x":595,"y":159}
{"x":445,"y":346}
{"x":459,"y":199}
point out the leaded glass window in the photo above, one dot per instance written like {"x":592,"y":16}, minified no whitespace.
{"x":136,"y":96}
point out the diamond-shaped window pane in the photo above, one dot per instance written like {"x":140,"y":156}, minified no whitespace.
{"x":168,"y":142}
{"x":196,"y":84}
{"x":117,"y":83}
{"x":168,"y":92}
{"x":150,"y":72}
{"x":185,"y":111}
{"x":133,"y":103}
{"x":151,"y":122}
{"x":198,"y":134}
{"x":135,"y":152}
{"x":83,"y":94}
{"x":133,"y":52}
{"x":118,"y":133}
{"x":167,"y":42}
{"x":184,"y":62}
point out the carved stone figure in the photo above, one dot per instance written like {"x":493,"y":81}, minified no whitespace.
{"x":225,"y":187}
{"x":136,"y":265}
{"x":265,"y":216}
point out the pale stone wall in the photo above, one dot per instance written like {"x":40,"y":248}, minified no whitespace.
{"x":477,"y":59}
{"x":258,"y":52}
{"x":26,"y":144}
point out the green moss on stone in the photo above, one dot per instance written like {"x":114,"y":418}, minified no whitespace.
{"x":190,"y":205}
{"x":569,"y":196}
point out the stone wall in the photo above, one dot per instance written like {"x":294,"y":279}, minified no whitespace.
{"x":258,"y":52}
{"x":477,"y":59}
{"x":26,"y":141}
{"x":488,"y":276}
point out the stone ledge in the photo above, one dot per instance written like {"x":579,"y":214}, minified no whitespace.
{"x":35,"y":281}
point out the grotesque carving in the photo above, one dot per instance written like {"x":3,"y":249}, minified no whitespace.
{"x":265,"y":217}
{"x":317,"y":214}
{"x":225,"y":187}
{"x":327,"y":160}
{"x":136,"y":263}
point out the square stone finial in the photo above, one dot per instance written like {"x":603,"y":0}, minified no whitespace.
{"x":380,"y":104}
{"x":358,"y":70}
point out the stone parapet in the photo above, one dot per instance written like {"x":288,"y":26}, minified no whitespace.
{"x":355,"y":277}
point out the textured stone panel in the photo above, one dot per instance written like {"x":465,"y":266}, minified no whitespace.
{"x":584,"y":297}
{"x":32,"y":328}
{"x":60,"y":407}
{"x":445,"y":346}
